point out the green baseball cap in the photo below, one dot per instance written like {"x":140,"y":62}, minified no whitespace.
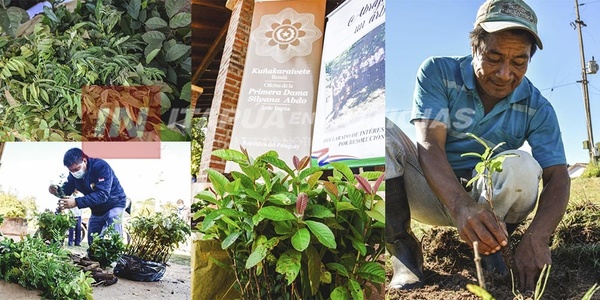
{"x":499,"y":15}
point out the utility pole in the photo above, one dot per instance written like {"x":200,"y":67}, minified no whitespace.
{"x":584,"y":84}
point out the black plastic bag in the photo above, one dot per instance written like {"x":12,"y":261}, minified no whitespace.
{"x":137,"y":269}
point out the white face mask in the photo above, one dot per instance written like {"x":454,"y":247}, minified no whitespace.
{"x":79,"y":174}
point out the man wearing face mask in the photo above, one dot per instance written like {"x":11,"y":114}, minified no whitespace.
{"x":103,"y":194}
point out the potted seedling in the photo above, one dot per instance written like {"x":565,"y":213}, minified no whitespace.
{"x":154,"y":238}
{"x":108,"y":248}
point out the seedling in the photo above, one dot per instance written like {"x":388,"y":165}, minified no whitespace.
{"x":488,"y":165}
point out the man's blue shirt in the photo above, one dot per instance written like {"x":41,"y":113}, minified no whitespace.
{"x":446,"y":91}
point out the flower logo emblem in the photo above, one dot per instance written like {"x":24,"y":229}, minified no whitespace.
{"x":286,"y":35}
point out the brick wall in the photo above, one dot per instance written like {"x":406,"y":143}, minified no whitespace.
{"x":227,"y":89}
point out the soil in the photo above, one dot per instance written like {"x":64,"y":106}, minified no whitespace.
{"x":175,"y":284}
{"x":449,"y":267}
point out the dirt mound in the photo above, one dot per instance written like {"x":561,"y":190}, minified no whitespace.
{"x":449,"y":265}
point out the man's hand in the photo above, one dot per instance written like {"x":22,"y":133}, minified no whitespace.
{"x":530,"y":257}
{"x":67,"y":203}
{"x":475,"y":222}
{"x":53,"y":189}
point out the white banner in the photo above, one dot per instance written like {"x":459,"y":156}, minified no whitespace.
{"x":279,"y":85}
{"x":350,"y":112}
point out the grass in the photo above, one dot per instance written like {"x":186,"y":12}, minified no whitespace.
{"x":180,"y":259}
{"x":585,"y":189}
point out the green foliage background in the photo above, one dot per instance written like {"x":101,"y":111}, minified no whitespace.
{"x":100,"y":43}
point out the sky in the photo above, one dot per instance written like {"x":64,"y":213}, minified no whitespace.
{"x":416,"y":30}
{"x":28,"y":169}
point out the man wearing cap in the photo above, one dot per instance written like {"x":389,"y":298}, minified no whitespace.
{"x":487,"y":94}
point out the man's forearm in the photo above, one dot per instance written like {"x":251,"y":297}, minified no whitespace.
{"x":552,"y":203}
{"x":441,"y":177}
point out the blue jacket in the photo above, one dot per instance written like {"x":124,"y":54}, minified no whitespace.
{"x":100,"y":186}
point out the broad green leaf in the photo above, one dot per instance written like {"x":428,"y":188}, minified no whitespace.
{"x":252,"y":172}
{"x":378,"y":211}
{"x":55,"y":137}
{"x":288,"y":264}
{"x":173,"y":7}
{"x":301,"y":239}
{"x":259,"y":253}
{"x":345,"y":170}
{"x":218,"y":181}
{"x":355,"y":290}
{"x":156,"y":23}
{"x":153,"y":36}
{"x":254,"y":194}
{"x":230,"y":239}
{"x":358,"y":245}
{"x":341,"y":206}
{"x":186,"y":92}
{"x":372,"y":271}
{"x":210,"y":219}
{"x":133,"y":8}
{"x":371,"y":175}
{"x":309,"y":171}
{"x":325,"y":277}
{"x":230,"y":155}
{"x":314,"y":178}
{"x":206,"y":196}
{"x":283,"y":228}
{"x":233,"y":187}
{"x":176,"y":52}
{"x":182,"y":19}
{"x":153,"y":53}
{"x":276,"y":213}
{"x":50,"y":14}
{"x":322,"y":233}
{"x":339,"y":268}
{"x":313,"y":262}
{"x":319,"y":211}
{"x":280,"y":199}
{"x":340,"y":293}
{"x":278,"y":163}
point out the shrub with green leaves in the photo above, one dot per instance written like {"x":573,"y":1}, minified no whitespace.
{"x":12,"y":206}
{"x":105,"y":43}
{"x":53,"y":227}
{"x":107,"y":249}
{"x":35,"y":265}
{"x":155,"y":237}
{"x":592,"y":170}
{"x":292,"y":235}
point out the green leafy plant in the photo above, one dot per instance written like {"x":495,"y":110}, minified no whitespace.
{"x":107,"y":249}
{"x":155,"y":237}
{"x":35,"y":265}
{"x":488,"y":165}
{"x":11,"y":17}
{"x":12,"y":206}
{"x":592,"y":170}
{"x":292,"y":235}
{"x":52,"y":227}
{"x":98,"y":44}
